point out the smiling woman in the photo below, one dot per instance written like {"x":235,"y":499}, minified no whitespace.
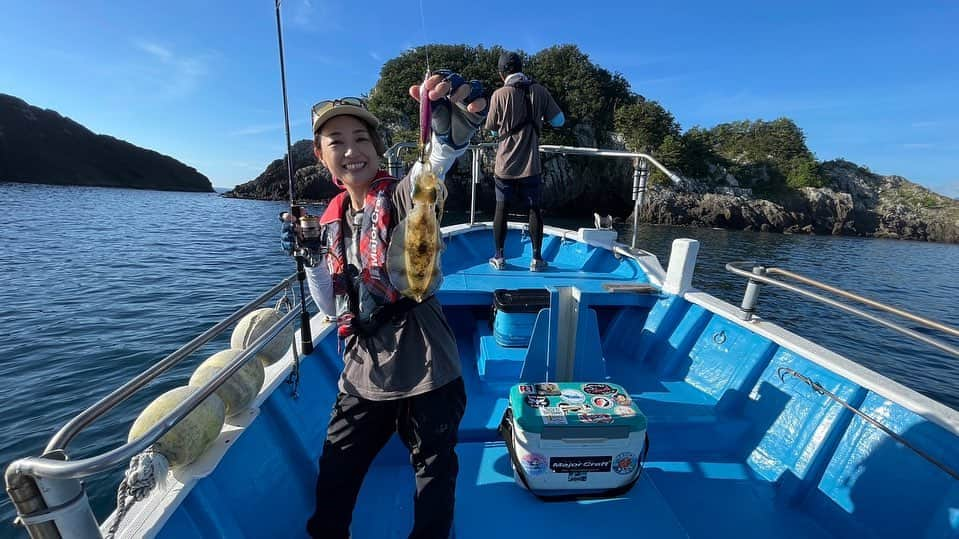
{"x":350,"y":149}
{"x":402,"y":370}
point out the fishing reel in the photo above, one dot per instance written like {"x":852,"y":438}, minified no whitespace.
{"x":309,"y":236}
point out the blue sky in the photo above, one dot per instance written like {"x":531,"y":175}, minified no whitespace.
{"x":873,"y":82}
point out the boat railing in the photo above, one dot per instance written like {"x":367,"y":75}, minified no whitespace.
{"x":641,"y":162}
{"x":56,"y":478}
{"x":762,"y":275}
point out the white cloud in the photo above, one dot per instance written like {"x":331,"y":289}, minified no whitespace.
{"x":918,"y":146}
{"x":305,"y":16}
{"x":925,"y":124}
{"x":302,"y":14}
{"x":160,"y":52}
{"x":376,"y":56}
{"x":255,"y":130}
{"x":176,"y":75}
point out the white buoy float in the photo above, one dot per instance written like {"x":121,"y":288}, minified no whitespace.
{"x":240,"y":389}
{"x":255,"y":324}
{"x":189,"y":438}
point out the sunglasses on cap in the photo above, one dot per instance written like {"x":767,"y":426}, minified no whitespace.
{"x":327,"y":104}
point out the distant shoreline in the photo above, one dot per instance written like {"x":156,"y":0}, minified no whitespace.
{"x":108,"y":186}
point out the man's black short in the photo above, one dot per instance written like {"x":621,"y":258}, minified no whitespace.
{"x":527,"y":190}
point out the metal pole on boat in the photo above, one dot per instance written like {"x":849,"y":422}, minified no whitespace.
{"x":640,"y":174}
{"x":51,"y":508}
{"x":751,"y":297}
{"x":27,"y":499}
{"x":306,"y":337}
{"x":393,"y":163}
{"x":474,"y":180}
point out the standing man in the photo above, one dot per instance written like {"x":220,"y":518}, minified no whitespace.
{"x":516,"y":115}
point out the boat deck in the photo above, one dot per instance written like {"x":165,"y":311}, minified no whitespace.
{"x":672,"y":499}
{"x":735,"y":449}
{"x":710,"y":495}
{"x":466,"y":267}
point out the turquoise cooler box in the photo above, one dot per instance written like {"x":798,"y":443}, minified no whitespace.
{"x":574,"y":439}
{"x":514,"y":314}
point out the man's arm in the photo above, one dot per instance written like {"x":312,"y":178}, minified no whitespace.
{"x":553,"y":114}
{"x":558,"y":120}
{"x":492,"y":119}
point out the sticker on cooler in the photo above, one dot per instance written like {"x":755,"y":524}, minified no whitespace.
{"x":601,"y":402}
{"x":536,"y":401}
{"x":595,"y":418}
{"x":534,"y":464}
{"x":547,"y":388}
{"x":598,"y":389}
{"x":568,"y":408}
{"x":624,"y":411}
{"x":553,"y":415}
{"x":580,"y":464}
{"x":573,"y":396}
{"x":576,"y":476}
{"x":624,"y":463}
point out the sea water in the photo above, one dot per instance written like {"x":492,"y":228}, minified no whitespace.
{"x":96,"y":284}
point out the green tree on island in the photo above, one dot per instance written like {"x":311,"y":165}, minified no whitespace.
{"x":603,"y":111}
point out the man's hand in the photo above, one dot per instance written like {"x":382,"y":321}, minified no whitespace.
{"x":458,"y":107}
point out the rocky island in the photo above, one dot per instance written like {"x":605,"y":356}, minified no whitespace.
{"x":855,"y":202}
{"x":749,"y":175}
{"x":41,"y":146}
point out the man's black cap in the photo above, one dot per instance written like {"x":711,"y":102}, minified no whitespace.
{"x":509,"y":63}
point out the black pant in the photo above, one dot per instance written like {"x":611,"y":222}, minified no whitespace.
{"x":427,"y":424}
{"x":528,"y":191}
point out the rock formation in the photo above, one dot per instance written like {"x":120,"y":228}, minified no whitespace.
{"x":41,"y":146}
{"x":857,"y":202}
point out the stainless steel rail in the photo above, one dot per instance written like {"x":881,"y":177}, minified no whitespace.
{"x":57,"y":479}
{"x":576,"y":150}
{"x":759,"y":274}
{"x":77,"y":469}
{"x":640,"y":170}
{"x":62,"y":438}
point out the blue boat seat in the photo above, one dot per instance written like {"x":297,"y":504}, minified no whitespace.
{"x":495,"y":362}
{"x":689,"y":371}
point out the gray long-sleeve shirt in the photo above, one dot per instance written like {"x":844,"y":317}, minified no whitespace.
{"x":408,"y":356}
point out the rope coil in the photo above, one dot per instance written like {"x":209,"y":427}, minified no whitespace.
{"x":145,"y":471}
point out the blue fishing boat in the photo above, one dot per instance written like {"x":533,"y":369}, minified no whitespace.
{"x":607,"y":397}
{"x":753,"y":431}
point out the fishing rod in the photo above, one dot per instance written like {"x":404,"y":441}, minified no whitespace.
{"x":306,"y":337}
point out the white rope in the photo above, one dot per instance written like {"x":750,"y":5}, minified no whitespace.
{"x":144,"y":472}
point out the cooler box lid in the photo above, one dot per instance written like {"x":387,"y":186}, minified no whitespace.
{"x":574,"y":406}
{"x":523,"y":300}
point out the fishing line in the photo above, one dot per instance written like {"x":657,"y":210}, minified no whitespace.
{"x":426,"y":41}
{"x":306,"y":338}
